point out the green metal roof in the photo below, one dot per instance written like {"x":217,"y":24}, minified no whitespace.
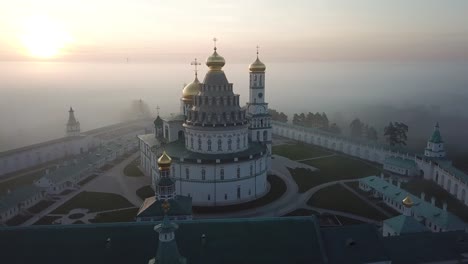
{"x":177,"y":150}
{"x":403,"y":224}
{"x":436,"y":137}
{"x":421,"y":208}
{"x":400,"y":162}
{"x":259,"y":240}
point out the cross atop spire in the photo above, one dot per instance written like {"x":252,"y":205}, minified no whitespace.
{"x":195,"y":63}
{"x":157,"y":109}
{"x":257,"y":50}
{"x":214,"y":40}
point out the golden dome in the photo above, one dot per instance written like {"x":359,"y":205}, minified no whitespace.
{"x":407,"y":201}
{"x":215,"y":62}
{"x":164,"y":161}
{"x":257,"y":66}
{"x":191,"y":89}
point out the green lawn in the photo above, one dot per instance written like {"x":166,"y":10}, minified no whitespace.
{"x":132,"y":169}
{"x":145,"y":192}
{"x":336,"y":197}
{"x":300,"y":151}
{"x":40,"y":206}
{"x":431,"y":189}
{"x":126,"y":215}
{"x":46,"y":220}
{"x":331,"y":169}
{"x":348,"y":221}
{"x":18,"y":220}
{"x":94,"y":201}
{"x":27,"y":179}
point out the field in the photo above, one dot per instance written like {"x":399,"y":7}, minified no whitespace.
{"x":338,"y":198}
{"x":299,"y":151}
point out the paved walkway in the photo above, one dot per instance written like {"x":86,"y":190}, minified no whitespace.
{"x":321,"y":157}
{"x":115,"y":182}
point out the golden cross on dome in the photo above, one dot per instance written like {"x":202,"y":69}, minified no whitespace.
{"x":165,"y":206}
{"x":214,"y":40}
{"x":257,"y":50}
{"x":195,"y":63}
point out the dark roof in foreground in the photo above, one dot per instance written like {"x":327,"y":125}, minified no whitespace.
{"x":257,"y":240}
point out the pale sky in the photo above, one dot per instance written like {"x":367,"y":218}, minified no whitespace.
{"x":171,"y":30}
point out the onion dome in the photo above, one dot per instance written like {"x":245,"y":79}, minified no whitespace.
{"x":407,"y":201}
{"x":158,"y":121}
{"x":191,"y":89}
{"x":164,"y":162}
{"x":257,"y":66}
{"x":215,"y":62}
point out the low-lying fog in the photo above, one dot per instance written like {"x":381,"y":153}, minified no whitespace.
{"x":35,"y":97}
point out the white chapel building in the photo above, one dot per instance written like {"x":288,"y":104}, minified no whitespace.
{"x":220,"y":151}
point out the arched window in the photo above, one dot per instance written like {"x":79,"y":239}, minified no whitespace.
{"x":191,"y":142}
{"x":251,"y":170}
{"x":199,"y":143}
{"x":221,"y":174}
{"x":229,"y":144}
{"x":187,"y":173}
{"x":219,"y":144}
{"x":225,"y":196}
{"x":238,"y":172}
{"x":203,"y":174}
{"x":209,"y":144}
{"x":173,"y":171}
{"x":265,"y":135}
{"x":243,"y":141}
{"x":238,"y":143}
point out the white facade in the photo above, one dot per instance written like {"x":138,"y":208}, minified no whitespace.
{"x":439,"y":171}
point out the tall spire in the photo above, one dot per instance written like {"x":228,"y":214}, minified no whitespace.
{"x":215,"y":62}
{"x":257,"y":65}
{"x":73,"y":126}
{"x":195,"y":63}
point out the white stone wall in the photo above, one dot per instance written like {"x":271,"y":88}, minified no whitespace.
{"x":217,"y":142}
{"x":424,"y":168}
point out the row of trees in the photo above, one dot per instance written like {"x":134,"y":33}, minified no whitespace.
{"x":362,"y":130}
{"x":278,"y":116}
{"x":316,"y":120}
{"x":395,"y":133}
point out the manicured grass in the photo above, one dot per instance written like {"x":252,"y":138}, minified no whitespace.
{"x":331,"y":169}
{"x":302,"y":212}
{"x":18,"y":220}
{"x":145,"y":192}
{"x":94,"y":201}
{"x":299,"y":151}
{"x":46,"y":220}
{"x":27,"y":179}
{"x":126,"y":215}
{"x":431,"y":189}
{"x":277,"y":189}
{"x":338,"y":198}
{"x":132,"y":169}
{"x":40,"y":206}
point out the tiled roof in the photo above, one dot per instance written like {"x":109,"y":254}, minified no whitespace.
{"x":400,"y":162}
{"x":17,"y":196}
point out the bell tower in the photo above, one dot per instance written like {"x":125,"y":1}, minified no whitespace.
{"x":73,"y":126}
{"x":257,"y":108}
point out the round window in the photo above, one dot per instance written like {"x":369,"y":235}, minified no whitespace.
{"x":260,"y":95}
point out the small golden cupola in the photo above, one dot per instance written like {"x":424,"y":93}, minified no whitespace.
{"x":215,"y":62}
{"x":164,"y":162}
{"x":407,"y":202}
{"x":257,"y":65}
{"x":190,"y":90}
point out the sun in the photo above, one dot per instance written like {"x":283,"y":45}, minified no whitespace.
{"x":42,"y":38}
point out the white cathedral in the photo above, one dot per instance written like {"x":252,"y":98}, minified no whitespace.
{"x":220,"y":151}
